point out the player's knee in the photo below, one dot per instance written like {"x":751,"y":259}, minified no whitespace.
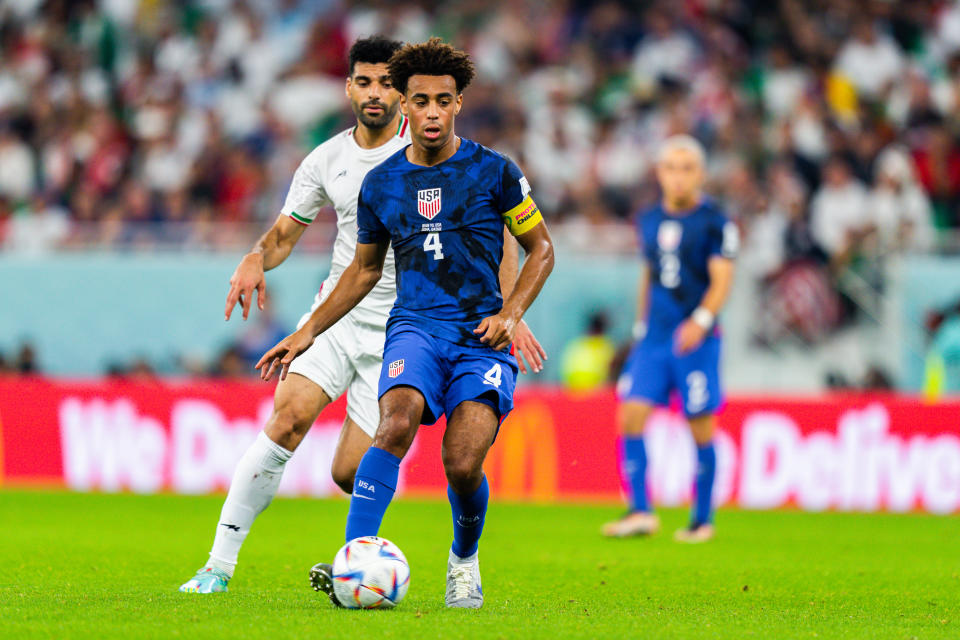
{"x":463,"y":473}
{"x":395,"y":433}
{"x":289,"y":422}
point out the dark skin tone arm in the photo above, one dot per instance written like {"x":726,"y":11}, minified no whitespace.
{"x":524,"y":341}
{"x":357,"y":281}
{"x":498,"y":331}
{"x":271,"y":249}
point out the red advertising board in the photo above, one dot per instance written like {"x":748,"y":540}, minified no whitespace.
{"x":844,"y":452}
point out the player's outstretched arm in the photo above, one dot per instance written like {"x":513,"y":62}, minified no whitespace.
{"x":356,"y":282}
{"x":527,"y":345}
{"x":498,"y":331}
{"x":271,"y":249}
{"x":694,"y":329}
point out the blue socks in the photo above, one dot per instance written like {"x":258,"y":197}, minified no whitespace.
{"x":635,"y":470}
{"x":468,"y":514}
{"x":373,"y":489}
{"x":703,"y":485}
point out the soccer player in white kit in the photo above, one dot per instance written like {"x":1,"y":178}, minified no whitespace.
{"x":348,"y":357}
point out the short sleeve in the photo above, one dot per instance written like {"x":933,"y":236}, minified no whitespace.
{"x":307,"y":195}
{"x":520,"y":213}
{"x":370,"y":229}
{"x":724,"y":238}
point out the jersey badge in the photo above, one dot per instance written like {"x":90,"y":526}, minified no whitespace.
{"x":428,"y":202}
{"x":396,"y":368}
{"x":668,"y":235}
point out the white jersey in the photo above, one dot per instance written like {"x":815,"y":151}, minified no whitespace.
{"x":331,"y":175}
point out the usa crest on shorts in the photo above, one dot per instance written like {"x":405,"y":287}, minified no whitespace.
{"x":428,"y":202}
{"x":395,"y":369}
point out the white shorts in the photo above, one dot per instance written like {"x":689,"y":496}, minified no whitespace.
{"x":347,"y":357}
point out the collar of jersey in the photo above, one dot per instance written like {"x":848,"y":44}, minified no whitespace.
{"x":463,"y":145}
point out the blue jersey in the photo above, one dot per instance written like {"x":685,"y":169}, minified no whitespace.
{"x":677,"y":249}
{"x":446,"y":226}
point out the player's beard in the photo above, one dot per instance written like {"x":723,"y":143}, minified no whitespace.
{"x":375,"y":122}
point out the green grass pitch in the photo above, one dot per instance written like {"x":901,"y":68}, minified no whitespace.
{"x":106,"y":566}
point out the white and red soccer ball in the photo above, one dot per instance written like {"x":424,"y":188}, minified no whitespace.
{"x":370,"y":573}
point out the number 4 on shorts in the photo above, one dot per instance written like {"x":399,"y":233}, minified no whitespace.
{"x":492,"y":377}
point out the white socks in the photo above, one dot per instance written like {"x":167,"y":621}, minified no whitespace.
{"x":254,"y":484}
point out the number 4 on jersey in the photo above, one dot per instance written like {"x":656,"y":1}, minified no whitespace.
{"x":432,"y":243}
{"x":492,"y":377}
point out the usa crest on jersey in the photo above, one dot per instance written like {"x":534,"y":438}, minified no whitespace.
{"x":669,"y":234}
{"x":428,"y":202}
{"x":396,"y":368}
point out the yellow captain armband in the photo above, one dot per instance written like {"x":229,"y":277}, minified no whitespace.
{"x":523,"y":217}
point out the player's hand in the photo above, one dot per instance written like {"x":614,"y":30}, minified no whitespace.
{"x":688,"y":337}
{"x":528,"y":347}
{"x":247,"y":277}
{"x":283,"y":354}
{"x":497,"y":331}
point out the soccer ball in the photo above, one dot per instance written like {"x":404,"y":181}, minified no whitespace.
{"x":370,"y":573}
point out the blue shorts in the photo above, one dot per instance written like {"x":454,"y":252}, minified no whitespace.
{"x":653,"y":371}
{"x":445,"y":373}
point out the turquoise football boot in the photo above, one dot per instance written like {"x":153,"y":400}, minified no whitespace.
{"x":207,"y":580}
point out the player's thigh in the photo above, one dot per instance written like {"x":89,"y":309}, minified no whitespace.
{"x":297,"y":402}
{"x":414,"y":359}
{"x":698,"y":378}
{"x":326,"y":362}
{"x":362,"y":393}
{"x":351,"y":445}
{"x":471,"y":429}
{"x":481,"y":375}
{"x":646,"y":377}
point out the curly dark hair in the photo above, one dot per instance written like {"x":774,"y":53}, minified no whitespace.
{"x":431,"y":58}
{"x":373,"y":50}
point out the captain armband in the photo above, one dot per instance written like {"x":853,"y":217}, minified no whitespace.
{"x":523,"y":217}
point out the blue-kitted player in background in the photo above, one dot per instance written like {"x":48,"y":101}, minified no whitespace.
{"x":442,"y":202}
{"x":688,"y":245}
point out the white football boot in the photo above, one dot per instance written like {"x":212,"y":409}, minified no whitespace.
{"x":464,"y":590}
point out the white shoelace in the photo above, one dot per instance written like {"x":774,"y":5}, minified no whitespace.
{"x":462,"y":575}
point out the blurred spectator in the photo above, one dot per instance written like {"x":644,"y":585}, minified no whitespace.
{"x":16,"y":161}
{"x":869,"y":60}
{"x":585,"y":361}
{"x":938,"y":168}
{"x":37,"y":227}
{"x":25,"y":362}
{"x":260,"y":336}
{"x":230,"y":363}
{"x":898,"y":208}
{"x":838,"y":213}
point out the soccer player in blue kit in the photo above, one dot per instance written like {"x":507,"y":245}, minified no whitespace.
{"x":689,"y":246}
{"x":442,"y":203}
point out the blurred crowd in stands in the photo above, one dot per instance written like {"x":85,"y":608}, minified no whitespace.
{"x":831,"y":125}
